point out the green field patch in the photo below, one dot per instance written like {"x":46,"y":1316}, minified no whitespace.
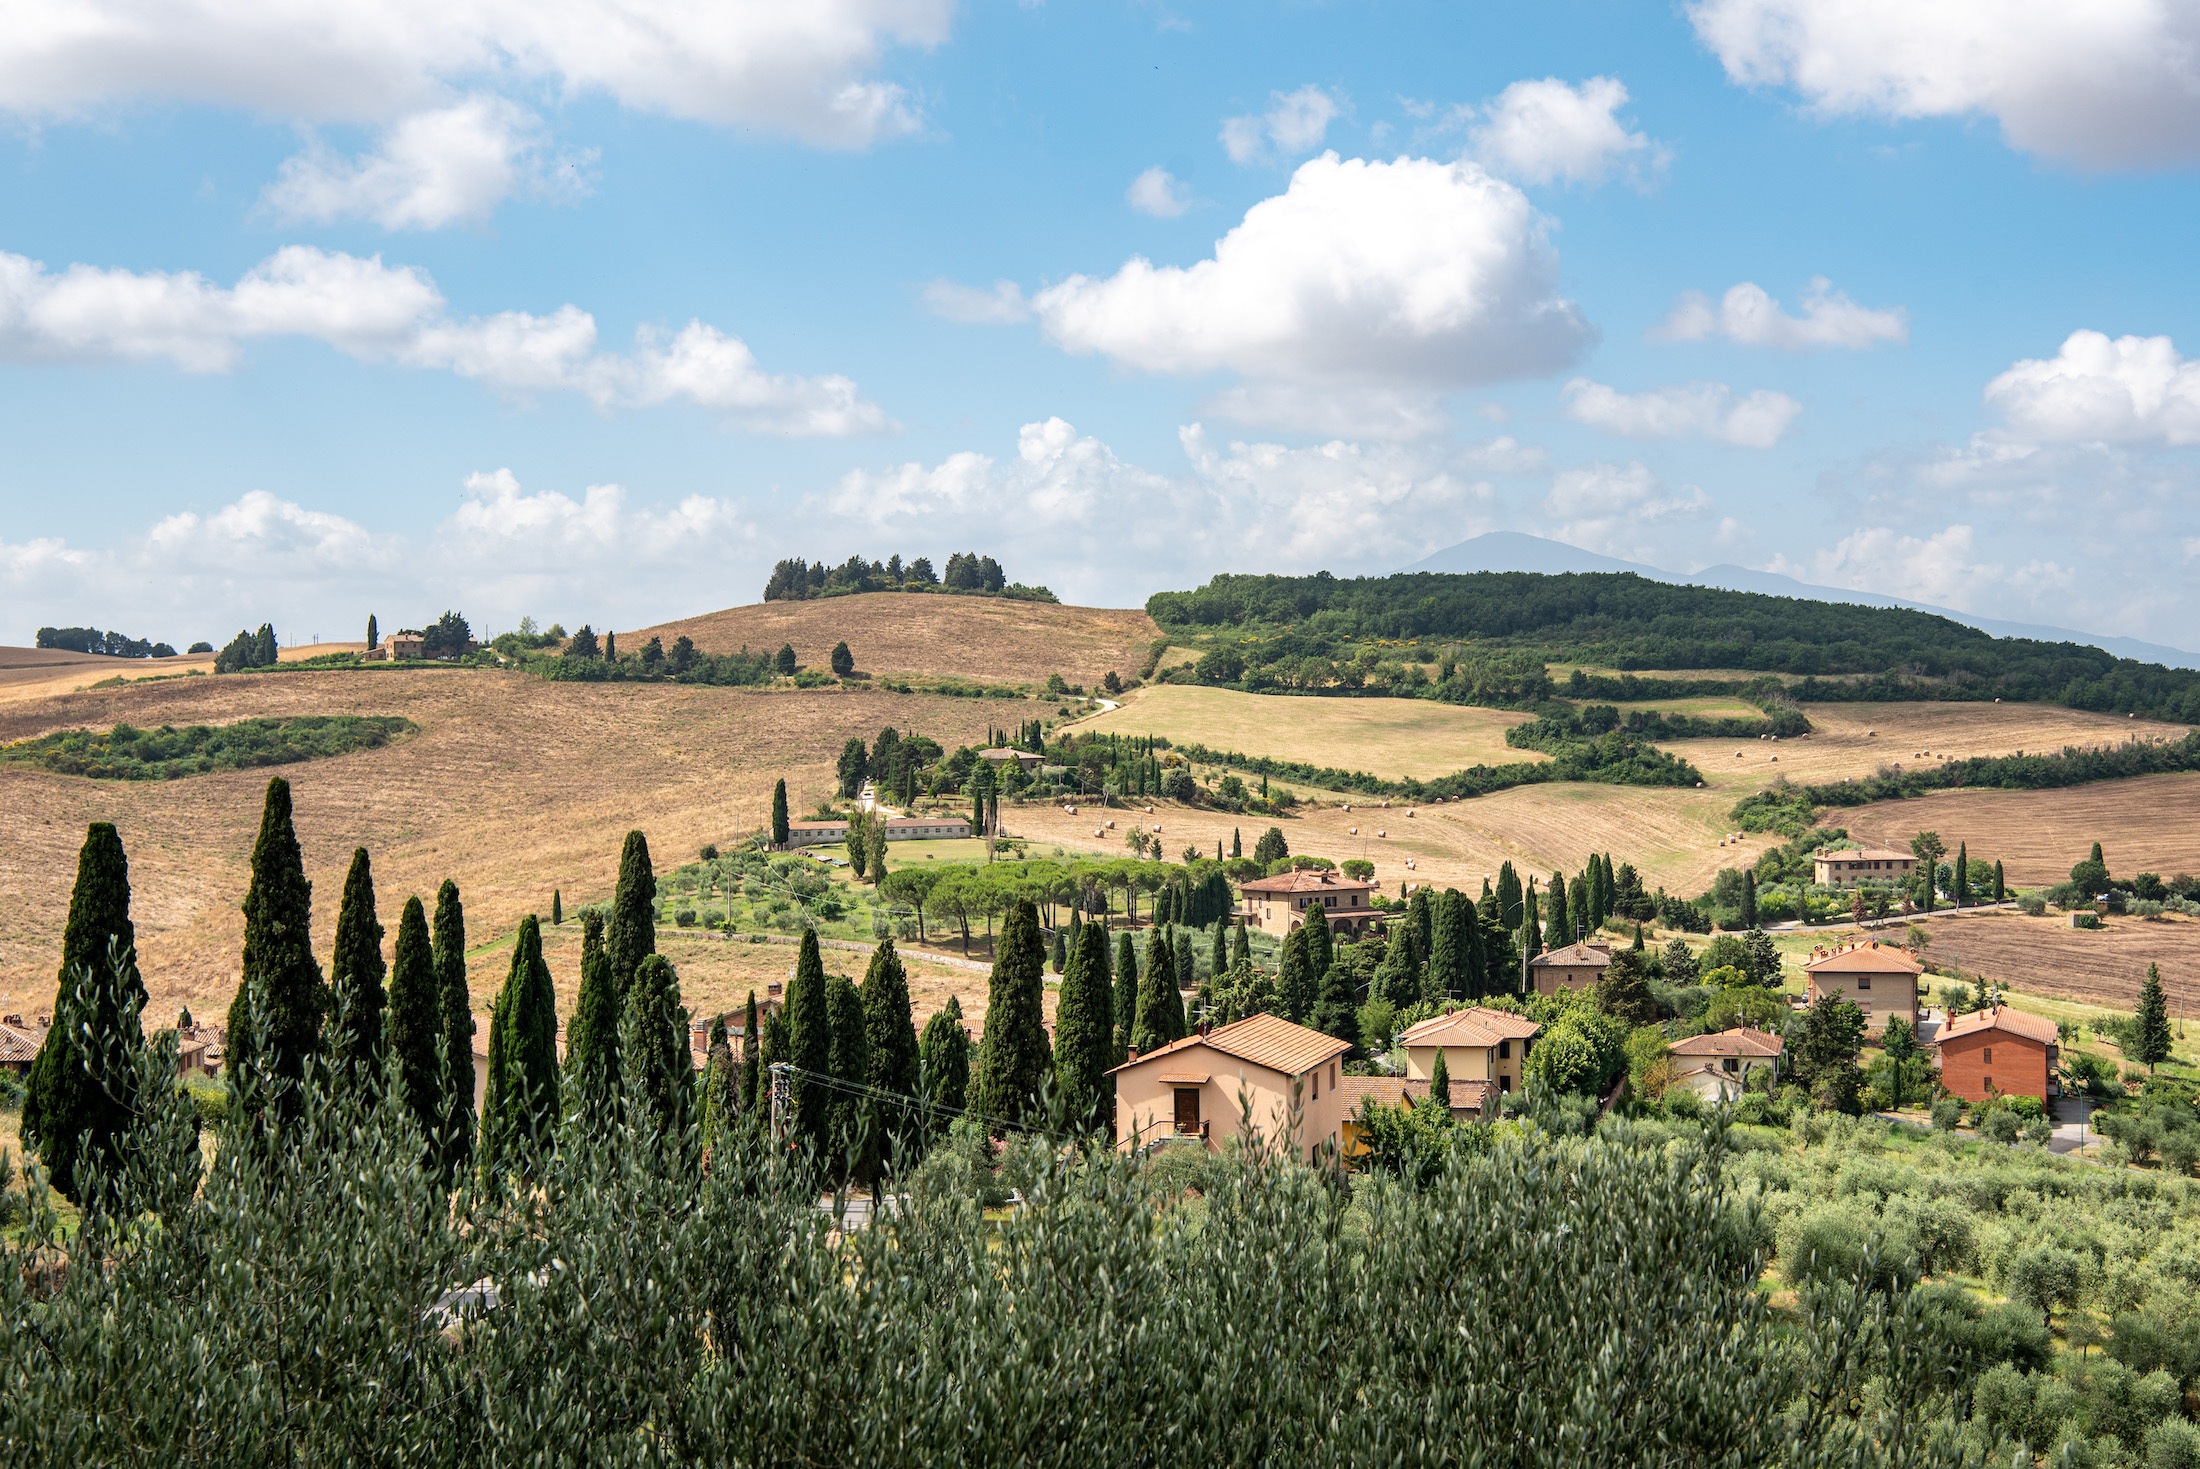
{"x":169,"y":753}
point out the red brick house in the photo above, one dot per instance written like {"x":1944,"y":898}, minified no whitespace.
{"x":1998,"y":1052}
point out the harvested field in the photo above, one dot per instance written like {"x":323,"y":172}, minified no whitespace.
{"x":1715,"y":706}
{"x":2046,"y":956}
{"x":1384,"y":737}
{"x":2150,"y":823}
{"x":28,"y":674}
{"x":1855,"y":740}
{"x":514,"y":786}
{"x":903,"y":634}
{"x":1672,"y":837}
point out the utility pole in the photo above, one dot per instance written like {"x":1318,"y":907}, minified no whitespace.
{"x":782,"y":1090}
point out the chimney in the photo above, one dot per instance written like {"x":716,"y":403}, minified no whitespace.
{"x":1134,"y":1053}
{"x":1204,"y":1026}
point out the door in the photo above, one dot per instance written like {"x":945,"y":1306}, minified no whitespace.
{"x":1187,"y":1109}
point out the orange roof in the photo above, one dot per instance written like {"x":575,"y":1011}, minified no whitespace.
{"x":1863,"y":854}
{"x":1268,"y":1041}
{"x":1471,"y":1027}
{"x":1583,"y":953}
{"x":2001,"y":1018}
{"x":1741,"y":1041}
{"x":17,"y":1047}
{"x":1305,"y":880}
{"x":1865,"y":958}
{"x":1396,"y":1091}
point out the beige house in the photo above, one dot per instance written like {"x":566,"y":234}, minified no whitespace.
{"x":1005,"y":753}
{"x":1577,"y":966}
{"x":1283,"y":1078}
{"x":1485,"y":1052}
{"x":1715,"y":1067}
{"x":399,"y":645}
{"x":898,"y":829}
{"x":1280,"y":904}
{"x":1882,"y":981}
{"x":1848,"y":866}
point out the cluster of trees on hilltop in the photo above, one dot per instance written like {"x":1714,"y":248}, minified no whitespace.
{"x":797,"y":580}
{"x":1620,"y":620}
{"x":108,"y":644}
{"x":248,"y":650}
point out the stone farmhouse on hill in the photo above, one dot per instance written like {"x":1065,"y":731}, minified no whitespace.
{"x":1002,"y":754}
{"x":1485,"y":1053}
{"x":1998,"y":1052}
{"x":1209,"y":1084}
{"x":1716,"y":1067}
{"x":1280,"y":904}
{"x":1882,"y":981}
{"x":1576,"y":966}
{"x":1847,"y":866}
{"x":898,"y":829}
{"x":20,"y":1043}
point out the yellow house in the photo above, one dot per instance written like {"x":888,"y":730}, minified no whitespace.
{"x":1485,"y":1052}
{"x":1845,"y":867}
{"x":1282,"y":1079}
{"x":1279,"y":904}
{"x":1882,"y":981}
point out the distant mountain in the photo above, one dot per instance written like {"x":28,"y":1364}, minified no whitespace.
{"x":1507,"y":550}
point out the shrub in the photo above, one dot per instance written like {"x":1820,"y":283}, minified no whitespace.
{"x":2000,"y":1125}
{"x":2032,"y":904}
{"x":210,"y":1097}
{"x":685,"y":918}
{"x":1947,"y":1112}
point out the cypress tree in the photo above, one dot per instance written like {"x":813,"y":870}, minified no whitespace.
{"x":1187,"y":960}
{"x":890,"y":1064}
{"x":457,"y":1009}
{"x":1013,"y":1054}
{"x":592,"y":1040}
{"x":1219,"y":959}
{"x":1398,"y":978}
{"x":265,"y":649}
{"x":779,"y":814}
{"x":1560,"y":931}
{"x":1160,"y":1005}
{"x":809,"y":1046}
{"x":1749,"y":900}
{"x":1510,"y":903}
{"x":1059,"y":959}
{"x":2001,"y":893}
{"x":1531,"y":934}
{"x":2152,"y":1022}
{"x":657,"y":1071}
{"x":1126,"y":993}
{"x":416,"y":1020}
{"x":1321,"y":949}
{"x":374,"y":634}
{"x":557,"y":908}
{"x":752,"y":1047}
{"x":721,"y":1090}
{"x":632,"y":935}
{"x":1295,"y":978}
{"x":845,"y":1111}
{"x":1447,"y":955}
{"x":67,"y":1114}
{"x":1421,"y":913}
{"x":1084,"y":1031}
{"x":520,"y":1116}
{"x":1241,"y":947}
{"x":1439,"y":1082}
{"x":1960,"y":886}
{"x":356,"y":972}
{"x":1336,"y":1010}
{"x":1577,"y":907}
{"x":1237,"y":843}
{"x":280,"y":974}
{"x":943,"y":1061}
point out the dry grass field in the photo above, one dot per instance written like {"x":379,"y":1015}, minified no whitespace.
{"x":2046,"y":956}
{"x":2148,"y":824}
{"x":1855,"y":740}
{"x":1385,"y":737}
{"x":901,"y":634}
{"x":513,"y":787}
{"x":30,"y":674}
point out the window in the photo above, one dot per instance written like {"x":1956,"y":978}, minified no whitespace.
{"x":1332,"y":1076}
{"x":1987,"y":1056}
{"x":1504,"y":1050}
{"x":1863,"y":982}
{"x":1731,"y":1064}
{"x":1317,"y":1083}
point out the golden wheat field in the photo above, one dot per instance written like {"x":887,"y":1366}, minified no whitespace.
{"x":1855,"y":740}
{"x":513,"y":787}
{"x":903,"y":634}
{"x":1390,"y":738}
{"x":2147,"y":824}
{"x":30,"y":674}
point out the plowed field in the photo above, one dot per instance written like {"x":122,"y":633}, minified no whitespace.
{"x":2047,"y":956}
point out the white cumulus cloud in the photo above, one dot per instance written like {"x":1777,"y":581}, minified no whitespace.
{"x":1411,"y":276}
{"x":2106,"y":84}
{"x":1944,"y":568}
{"x":451,"y":165}
{"x":2123,"y":390}
{"x":395,"y":314}
{"x":1612,"y":508}
{"x":1695,"y":411}
{"x":1294,"y":124}
{"x":1546,"y":131}
{"x":1159,"y":193}
{"x":1748,"y":315}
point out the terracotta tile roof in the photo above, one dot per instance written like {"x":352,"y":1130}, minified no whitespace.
{"x":2002,"y":1018}
{"x":1865,"y":958}
{"x":1866,"y":854}
{"x":1741,"y":1041}
{"x":1584,"y":953}
{"x":17,"y":1047}
{"x":1471,"y":1027}
{"x":1305,"y":880}
{"x":1396,"y":1091}
{"x":1268,"y":1041}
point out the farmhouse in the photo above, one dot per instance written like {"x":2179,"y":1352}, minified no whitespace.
{"x":1282,"y":1078}
{"x":898,"y":829}
{"x":1005,"y":753}
{"x":1280,"y":904}
{"x":1848,"y":866}
{"x":19,"y":1044}
{"x":400,"y":645}
{"x":1484,"y":1052}
{"x":1715,"y":1067}
{"x":1577,"y":966}
{"x":1881,"y":981}
{"x":1998,"y":1052}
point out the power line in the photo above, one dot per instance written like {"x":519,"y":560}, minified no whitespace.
{"x":788,"y":1070}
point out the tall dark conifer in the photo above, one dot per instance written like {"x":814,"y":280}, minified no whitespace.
{"x":1013,"y":1055}
{"x":1241,"y":948}
{"x":457,"y":1008}
{"x":656,"y":1071}
{"x":1749,"y":900}
{"x":416,"y":1020}
{"x":68,"y":1114}
{"x":1296,"y":983}
{"x":280,"y":975}
{"x":1336,"y":1008}
{"x":520,"y":1116}
{"x":632,"y":935}
{"x":1509,"y":898}
{"x":1559,"y":932}
{"x":592,"y":1040}
{"x":1084,"y":1031}
{"x":890,"y":1066}
{"x":1447,"y":958}
{"x":356,"y":972}
{"x":809,"y":1046}
{"x":1126,"y":993}
{"x":1160,"y":1004}
{"x":779,"y":814}
{"x":845,"y":1112}
{"x":943,"y":1064}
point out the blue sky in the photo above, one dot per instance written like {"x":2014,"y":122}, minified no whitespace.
{"x":592,"y":313}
